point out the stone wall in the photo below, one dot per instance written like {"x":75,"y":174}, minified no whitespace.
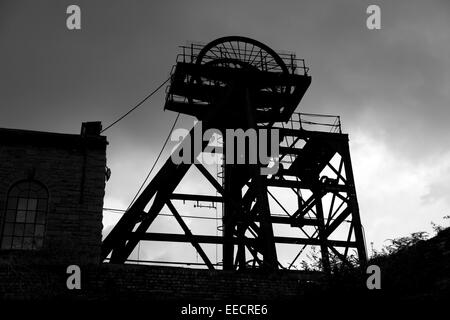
{"x":149,"y":283}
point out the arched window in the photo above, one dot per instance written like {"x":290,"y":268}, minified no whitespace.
{"x":25,"y":217}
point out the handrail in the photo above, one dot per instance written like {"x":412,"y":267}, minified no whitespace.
{"x":190,"y":53}
{"x":315,"y":122}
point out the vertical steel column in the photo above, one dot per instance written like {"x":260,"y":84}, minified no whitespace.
{"x":232,"y":195}
{"x":266,"y":238}
{"x":353,"y":203}
{"x":321,"y":227}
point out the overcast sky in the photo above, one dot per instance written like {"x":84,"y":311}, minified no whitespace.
{"x":390,"y":86}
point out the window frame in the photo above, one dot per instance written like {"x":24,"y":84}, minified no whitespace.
{"x":26,"y":208}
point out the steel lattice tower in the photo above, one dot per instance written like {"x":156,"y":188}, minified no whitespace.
{"x":239,"y":83}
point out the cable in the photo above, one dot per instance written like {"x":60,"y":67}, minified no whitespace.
{"x":156,"y":161}
{"x":136,"y":106}
{"x":167,"y":214}
{"x":199,"y":217}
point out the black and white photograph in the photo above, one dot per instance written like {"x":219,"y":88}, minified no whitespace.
{"x":224,"y":159}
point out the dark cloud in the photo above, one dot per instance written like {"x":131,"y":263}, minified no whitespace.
{"x":126,"y":49}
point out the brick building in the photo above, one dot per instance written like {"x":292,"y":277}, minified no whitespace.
{"x":51,"y":195}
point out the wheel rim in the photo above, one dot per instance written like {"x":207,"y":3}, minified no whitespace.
{"x":245,"y":50}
